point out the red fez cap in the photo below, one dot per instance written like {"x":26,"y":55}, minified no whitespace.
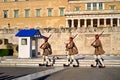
{"x":71,"y":38}
{"x":45,"y":38}
{"x":96,"y":36}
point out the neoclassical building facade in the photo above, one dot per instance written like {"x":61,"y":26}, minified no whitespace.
{"x":59,"y":13}
{"x":93,"y":13}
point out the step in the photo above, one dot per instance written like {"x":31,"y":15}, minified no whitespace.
{"x":58,"y":62}
{"x":37,"y":65}
{"x":18,"y":65}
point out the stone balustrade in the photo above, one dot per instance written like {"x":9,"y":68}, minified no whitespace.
{"x":63,"y":30}
{"x":92,"y":12}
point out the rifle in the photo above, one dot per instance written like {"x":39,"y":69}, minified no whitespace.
{"x":96,"y":39}
{"x":75,"y":36}
{"x":49,"y":36}
{"x":46,"y":37}
{"x":101,"y":33}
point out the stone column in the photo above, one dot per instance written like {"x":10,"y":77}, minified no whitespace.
{"x":92,"y":6}
{"x":105,"y":22}
{"x":72,"y":22}
{"x":78,"y":22}
{"x":91,"y":22}
{"x":118,"y":22}
{"x":67,"y":23}
{"x":111,"y":22}
{"x":85,"y":22}
{"x":97,"y":6}
{"x":98,"y":23}
{"x":103,"y":6}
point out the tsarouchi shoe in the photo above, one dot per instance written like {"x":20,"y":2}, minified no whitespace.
{"x":75,"y":65}
{"x":65,"y":65}
{"x":101,"y":66}
{"x":48,"y":65}
{"x":93,"y":66}
{"x":41,"y":64}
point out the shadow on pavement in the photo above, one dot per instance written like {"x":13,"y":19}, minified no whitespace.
{"x":8,"y":77}
{"x":42,"y":78}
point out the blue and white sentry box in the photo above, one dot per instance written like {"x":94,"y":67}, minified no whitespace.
{"x":26,"y":38}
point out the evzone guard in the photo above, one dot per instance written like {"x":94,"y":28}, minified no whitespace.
{"x":98,"y":52}
{"x":72,"y":51}
{"x":46,"y":52}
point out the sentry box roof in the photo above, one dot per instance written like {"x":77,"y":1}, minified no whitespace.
{"x":30,"y":33}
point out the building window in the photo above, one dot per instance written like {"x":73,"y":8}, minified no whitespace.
{"x":5,"y":13}
{"x":77,"y":8}
{"x":112,"y":7}
{"x":16,"y":13}
{"x":49,"y":11}
{"x":61,"y":11}
{"x":88,"y":6}
{"x":94,"y":6}
{"x":24,"y":42}
{"x":27,"y":12}
{"x":100,"y":6}
{"x":5,"y":0}
{"x":37,"y":12}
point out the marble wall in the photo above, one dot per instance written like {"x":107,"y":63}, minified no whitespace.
{"x":110,"y":41}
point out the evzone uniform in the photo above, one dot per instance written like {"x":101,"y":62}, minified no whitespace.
{"x":98,"y":52}
{"x":46,"y":52}
{"x":72,"y":51}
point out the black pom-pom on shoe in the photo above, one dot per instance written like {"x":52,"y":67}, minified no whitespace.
{"x":75,"y":65}
{"x":66,"y":65}
{"x":93,"y":66}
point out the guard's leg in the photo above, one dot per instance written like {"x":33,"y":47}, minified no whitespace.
{"x":48,"y":61}
{"x":75,"y":63}
{"x":95,"y":61}
{"x":43,"y":61}
{"x":68,"y":61}
{"x":102,"y":59}
{"x":101,"y":62}
{"x":53,"y":60}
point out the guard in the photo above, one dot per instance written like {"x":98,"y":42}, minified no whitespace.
{"x":98,"y":52}
{"x":72,"y":51}
{"x":46,"y":52}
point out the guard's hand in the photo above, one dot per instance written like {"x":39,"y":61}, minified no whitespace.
{"x":40,"y":46}
{"x":91,"y":44}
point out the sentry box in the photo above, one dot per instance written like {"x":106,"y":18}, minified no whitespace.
{"x":28,"y":43}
